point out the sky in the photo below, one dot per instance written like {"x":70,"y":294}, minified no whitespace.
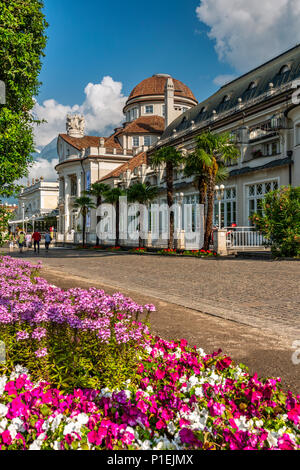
{"x":99,"y":50}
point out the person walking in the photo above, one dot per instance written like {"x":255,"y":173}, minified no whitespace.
{"x":28,"y":240}
{"x":36,"y":241}
{"x":48,"y":240}
{"x":21,"y":241}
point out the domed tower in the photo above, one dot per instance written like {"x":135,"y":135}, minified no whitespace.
{"x":159,"y":95}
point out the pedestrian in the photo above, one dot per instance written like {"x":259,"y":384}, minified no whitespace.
{"x":47,"y":240}
{"x":21,"y":241}
{"x":36,"y":237}
{"x":28,"y":240}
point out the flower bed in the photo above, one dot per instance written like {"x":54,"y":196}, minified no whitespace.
{"x":195,"y":253}
{"x":174,"y":396}
{"x":138,"y":251}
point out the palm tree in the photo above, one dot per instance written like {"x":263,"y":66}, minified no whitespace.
{"x":172,"y":159}
{"x":85,"y":204}
{"x":143,"y":193}
{"x":97,"y":190}
{"x":112,"y":196}
{"x":207,"y":165}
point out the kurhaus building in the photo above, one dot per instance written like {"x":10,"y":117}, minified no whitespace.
{"x":152,"y":105}
{"x":260,"y":109}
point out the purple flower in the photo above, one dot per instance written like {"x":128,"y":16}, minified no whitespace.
{"x":22,"y":335}
{"x":41,"y":352}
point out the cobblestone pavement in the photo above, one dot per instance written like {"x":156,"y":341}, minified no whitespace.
{"x":249,"y":309}
{"x":263,"y":294}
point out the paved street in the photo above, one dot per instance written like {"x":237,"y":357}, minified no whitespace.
{"x":249,"y":308}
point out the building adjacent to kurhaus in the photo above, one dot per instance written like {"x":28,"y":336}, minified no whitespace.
{"x":36,"y":201}
{"x":260,"y":109}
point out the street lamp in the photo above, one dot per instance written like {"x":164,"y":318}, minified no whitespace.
{"x":219,"y":190}
{"x":23,"y":215}
{"x":33,"y":220}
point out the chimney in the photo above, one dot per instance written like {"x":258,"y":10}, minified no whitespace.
{"x":170,"y":114}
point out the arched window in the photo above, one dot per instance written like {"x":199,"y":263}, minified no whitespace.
{"x":203,"y":110}
{"x":284,"y":69}
{"x":226,"y":98}
{"x":252,"y":85}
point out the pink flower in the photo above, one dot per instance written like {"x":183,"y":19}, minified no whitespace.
{"x":215,"y":408}
{"x":285,"y":443}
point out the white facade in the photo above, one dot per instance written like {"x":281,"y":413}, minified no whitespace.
{"x":36,"y":201}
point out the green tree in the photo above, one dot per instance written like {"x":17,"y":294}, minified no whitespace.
{"x":172,"y":159}
{"x":22,"y":42}
{"x":112,"y":196}
{"x":84,"y":204}
{"x":97,"y":190}
{"x":279,"y":221}
{"x":5,"y":215}
{"x":143,"y":193}
{"x":206,"y":163}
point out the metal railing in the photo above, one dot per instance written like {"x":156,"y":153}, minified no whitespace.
{"x":245,"y":237}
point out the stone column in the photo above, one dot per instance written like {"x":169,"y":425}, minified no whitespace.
{"x":220,"y":245}
{"x":67,"y":202}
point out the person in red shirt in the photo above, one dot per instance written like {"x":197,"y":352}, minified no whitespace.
{"x":36,"y":237}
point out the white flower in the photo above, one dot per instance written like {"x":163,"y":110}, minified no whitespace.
{"x":242,"y":423}
{"x":145,"y":445}
{"x":198,"y":392}
{"x":55,"y":422}
{"x":18,"y":371}
{"x":201,"y":352}
{"x":272,"y":439}
{"x":3,"y":424}
{"x":37,"y":444}
{"x":171,"y":428}
{"x":82,"y":419}
{"x":3,"y":410}
{"x":56,"y":445}
{"x":3,"y":381}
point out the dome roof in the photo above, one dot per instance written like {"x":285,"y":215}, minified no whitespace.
{"x":155,"y":85}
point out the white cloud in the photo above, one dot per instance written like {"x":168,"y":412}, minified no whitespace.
{"x":247,"y":33}
{"x":41,"y":167}
{"x":221,"y":80}
{"x":102,"y":109}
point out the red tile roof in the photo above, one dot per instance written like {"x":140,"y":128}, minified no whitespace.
{"x":133,"y":163}
{"x":156,"y":86}
{"x":91,"y":141}
{"x":145,"y":124}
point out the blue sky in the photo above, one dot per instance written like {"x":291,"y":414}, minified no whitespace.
{"x":98,"y":51}
{"x":128,"y":41}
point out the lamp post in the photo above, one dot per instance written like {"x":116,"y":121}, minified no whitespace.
{"x":23,"y":215}
{"x":33,"y":220}
{"x":219,"y":190}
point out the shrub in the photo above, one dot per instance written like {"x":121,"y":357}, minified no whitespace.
{"x":77,"y":338}
{"x":279,"y":221}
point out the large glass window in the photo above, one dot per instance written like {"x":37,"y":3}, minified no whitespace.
{"x":135,"y":141}
{"x":149,"y":109}
{"x":73,"y":186}
{"x":255,"y":194}
{"x":147,"y":140}
{"x":228,"y":209}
